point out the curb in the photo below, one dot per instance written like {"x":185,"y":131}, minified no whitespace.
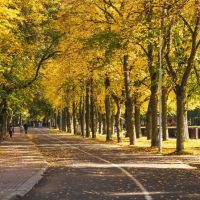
{"x":27,"y":185}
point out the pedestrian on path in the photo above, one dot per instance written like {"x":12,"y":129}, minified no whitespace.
{"x":11,"y":130}
{"x":26,"y":128}
{"x":21,"y":129}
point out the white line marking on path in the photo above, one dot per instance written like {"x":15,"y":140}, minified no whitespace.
{"x":142,"y":188}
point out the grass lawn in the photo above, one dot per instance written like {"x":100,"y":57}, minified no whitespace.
{"x":192,"y":146}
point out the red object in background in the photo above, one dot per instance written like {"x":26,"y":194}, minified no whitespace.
{"x":171,"y":122}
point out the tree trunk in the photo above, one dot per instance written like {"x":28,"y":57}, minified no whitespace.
{"x":180,"y":98}
{"x":3,"y":108}
{"x":100,"y":123}
{"x":5,"y":124}
{"x":9,"y":118}
{"x":125,"y":122}
{"x":117,"y":123}
{"x":87,"y":109}
{"x":74,"y":119}
{"x":60,"y":120}
{"x":64,"y":119}
{"x":117,"y":118}
{"x":137,"y":119}
{"x":107,"y":106}
{"x":82,"y":116}
{"x":69,"y":129}
{"x":121,"y":125}
{"x":164,"y":113}
{"x":56,"y":120}
{"x":186,"y":131}
{"x":92,"y":113}
{"x":3,"y":119}
{"x":154,"y":103}
{"x":95,"y":120}
{"x":129,"y":103}
{"x":129,"y":123}
{"x":1,"y":127}
{"x":153,"y":71}
{"x":112,"y":121}
{"x":104,"y":124}
{"x":149,"y":122}
{"x":20,"y":119}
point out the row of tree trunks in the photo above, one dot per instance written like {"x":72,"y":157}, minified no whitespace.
{"x":164,"y":116}
{"x":116,"y":119}
{"x":66,"y":121}
{"x":88,"y":114}
{"x":87,"y":111}
{"x":62,"y":120}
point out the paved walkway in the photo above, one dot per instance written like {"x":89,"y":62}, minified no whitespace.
{"x":80,"y":169}
{"x":21,"y":166}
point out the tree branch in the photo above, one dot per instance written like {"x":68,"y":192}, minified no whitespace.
{"x":198,"y":43}
{"x":109,"y":3}
{"x":39,"y":66}
{"x":145,"y":51}
{"x":106,"y":12}
{"x":190,"y":62}
{"x":186,"y":23}
{"x":170,"y":69}
{"x":197,"y":75}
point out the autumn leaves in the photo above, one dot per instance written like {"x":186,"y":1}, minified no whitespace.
{"x":108,"y":61}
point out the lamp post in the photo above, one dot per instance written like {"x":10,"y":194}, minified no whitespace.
{"x":160,"y":92}
{"x":160,"y":81}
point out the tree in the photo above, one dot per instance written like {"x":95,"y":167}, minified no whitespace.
{"x":32,"y":42}
{"x":182,"y":45}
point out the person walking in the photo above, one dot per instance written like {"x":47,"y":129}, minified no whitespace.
{"x":26,"y":128}
{"x":21,"y":129}
{"x":11,"y":130}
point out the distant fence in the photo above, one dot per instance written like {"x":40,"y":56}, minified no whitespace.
{"x":194,"y":132}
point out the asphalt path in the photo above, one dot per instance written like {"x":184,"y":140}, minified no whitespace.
{"x":83,"y":170}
